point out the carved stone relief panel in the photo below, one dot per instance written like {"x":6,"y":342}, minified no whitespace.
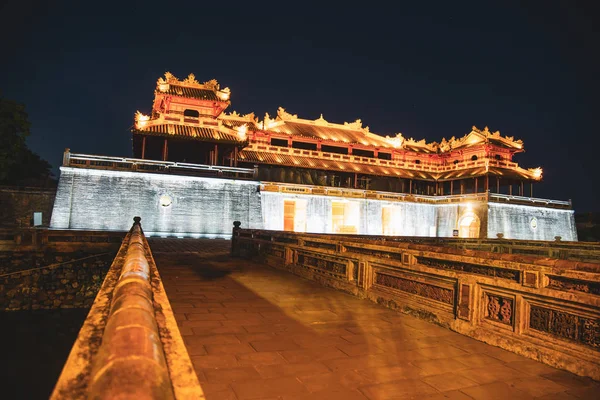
{"x":429,"y":291}
{"x":564,"y":325}
{"x":498,"y":308}
{"x":568,"y":284}
{"x":330,"y":265}
{"x":485,"y":270}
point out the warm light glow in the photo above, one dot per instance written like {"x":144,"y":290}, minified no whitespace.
{"x":242,"y":131}
{"x":141,"y":120}
{"x":224,"y":94}
{"x":537,"y":172}
{"x":395,"y":141}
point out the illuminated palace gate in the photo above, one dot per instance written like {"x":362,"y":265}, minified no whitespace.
{"x":294,"y":174}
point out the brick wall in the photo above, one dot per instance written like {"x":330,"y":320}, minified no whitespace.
{"x":19,"y":204}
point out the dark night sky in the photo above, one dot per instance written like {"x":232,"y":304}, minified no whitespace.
{"x":429,"y":71}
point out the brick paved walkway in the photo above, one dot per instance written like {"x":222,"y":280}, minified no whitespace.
{"x":254,"y":332}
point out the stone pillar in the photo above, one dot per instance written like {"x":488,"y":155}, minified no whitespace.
{"x":235,"y":249}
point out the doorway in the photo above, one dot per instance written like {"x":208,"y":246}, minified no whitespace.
{"x":468,"y":226}
{"x":344,"y":216}
{"x":294,"y":215}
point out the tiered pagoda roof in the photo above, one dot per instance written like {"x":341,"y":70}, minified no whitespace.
{"x":189,"y":109}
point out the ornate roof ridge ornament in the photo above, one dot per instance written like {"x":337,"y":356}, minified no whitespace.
{"x":190,"y":81}
{"x":485,"y":132}
{"x":321,"y":121}
{"x":250,"y":117}
{"x":396,"y":141}
{"x":536,"y":172}
{"x":141,"y":120}
{"x":354,"y":125}
{"x":285,"y":116}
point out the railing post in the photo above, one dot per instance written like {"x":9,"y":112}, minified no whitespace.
{"x":235,"y":249}
{"x":67,"y":157}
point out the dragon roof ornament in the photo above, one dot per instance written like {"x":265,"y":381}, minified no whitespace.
{"x":190,"y":81}
{"x":285,"y":116}
{"x":396,"y":141}
{"x":244,"y":117}
{"x":354,"y":125}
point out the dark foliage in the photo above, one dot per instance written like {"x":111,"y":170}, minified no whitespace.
{"x":19,"y":166}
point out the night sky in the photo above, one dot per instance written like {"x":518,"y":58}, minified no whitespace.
{"x":431,"y":70}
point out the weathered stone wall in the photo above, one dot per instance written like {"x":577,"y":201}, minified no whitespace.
{"x":32,"y":281}
{"x":531,"y":223}
{"x":172,"y":204}
{"x":19,"y":204}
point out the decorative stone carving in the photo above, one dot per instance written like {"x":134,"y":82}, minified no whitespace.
{"x":432,"y":292}
{"x":567,"y":284}
{"x":374,"y":253}
{"x":325,"y":264}
{"x":564,"y":325}
{"x":504,"y":273}
{"x":498,"y":308}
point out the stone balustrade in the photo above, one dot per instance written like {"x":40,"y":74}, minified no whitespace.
{"x":541,"y":307}
{"x":129,"y":345}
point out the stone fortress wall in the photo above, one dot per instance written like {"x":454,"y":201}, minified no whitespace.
{"x":176,"y":205}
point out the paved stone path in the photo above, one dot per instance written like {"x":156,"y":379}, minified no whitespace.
{"x":254,"y":332}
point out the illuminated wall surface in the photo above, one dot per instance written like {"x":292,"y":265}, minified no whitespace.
{"x":535,"y":223}
{"x":108,"y":200}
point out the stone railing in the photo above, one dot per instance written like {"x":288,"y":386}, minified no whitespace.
{"x":406,"y":197}
{"x":41,"y":239}
{"x":540,"y":307}
{"x":573,"y":251}
{"x":129,"y":345}
{"x":146,"y":165}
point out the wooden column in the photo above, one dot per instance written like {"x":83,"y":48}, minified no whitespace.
{"x":216,"y":155}
{"x":476,"y":188}
{"x":497,"y":184}
{"x":462,"y":187}
{"x":451,"y":187}
{"x":437,"y":189}
{"x":143,"y":146}
{"x":355,"y":180}
{"x":510,"y":189}
{"x":410,"y":187}
{"x":165,"y":152}
{"x":521,"y":190}
{"x":487,"y":183}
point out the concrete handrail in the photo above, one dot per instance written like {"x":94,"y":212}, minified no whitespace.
{"x":131,"y":360}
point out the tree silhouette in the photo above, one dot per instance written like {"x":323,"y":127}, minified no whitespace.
{"x":18,"y":164}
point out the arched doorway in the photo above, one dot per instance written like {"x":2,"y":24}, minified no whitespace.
{"x":469,"y":225}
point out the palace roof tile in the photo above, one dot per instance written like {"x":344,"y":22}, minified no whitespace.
{"x":196,"y":93}
{"x":331,"y":134}
{"x":317,"y":163}
{"x":191,"y":132}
